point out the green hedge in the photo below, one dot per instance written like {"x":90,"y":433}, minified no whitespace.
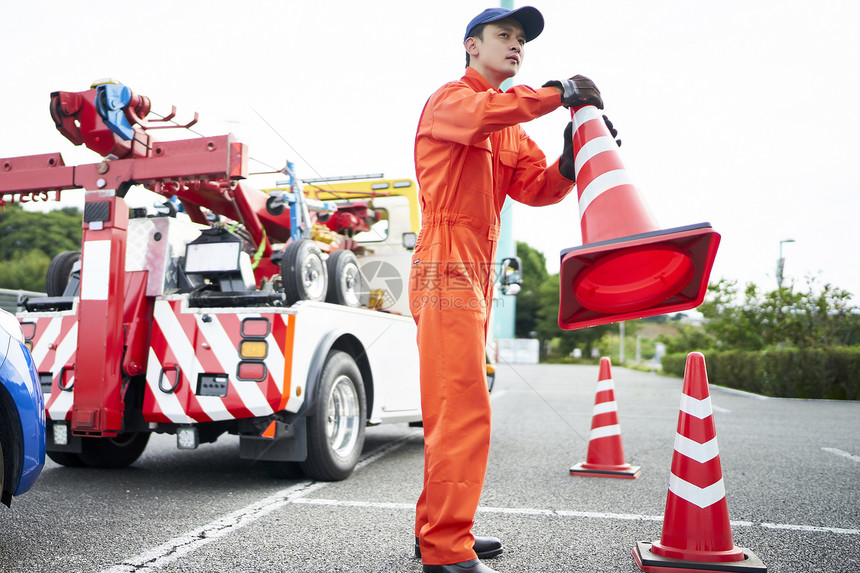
{"x":832,"y":373}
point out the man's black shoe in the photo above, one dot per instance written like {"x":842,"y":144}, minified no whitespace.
{"x":473,"y":566}
{"x":485,"y":547}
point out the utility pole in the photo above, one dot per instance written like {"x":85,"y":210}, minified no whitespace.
{"x":780,"y":263}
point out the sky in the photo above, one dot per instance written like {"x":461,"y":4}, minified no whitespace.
{"x":741,"y":113}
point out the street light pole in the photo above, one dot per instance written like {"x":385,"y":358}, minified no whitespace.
{"x":780,"y":263}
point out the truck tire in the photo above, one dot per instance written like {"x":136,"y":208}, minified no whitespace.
{"x":346,"y":286}
{"x":303,"y":272}
{"x":337,"y":421}
{"x":68,"y":459}
{"x":118,"y":452}
{"x":59,"y":272}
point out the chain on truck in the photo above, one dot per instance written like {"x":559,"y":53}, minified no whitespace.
{"x":280,"y":316}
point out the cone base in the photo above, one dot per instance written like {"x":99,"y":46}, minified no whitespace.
{"x":651,"y":563}
{"x":579,"y":469}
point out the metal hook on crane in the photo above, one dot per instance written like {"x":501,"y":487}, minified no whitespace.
{"x":148,"y":124}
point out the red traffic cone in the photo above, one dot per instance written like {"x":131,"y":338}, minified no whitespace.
{"x":626,"y":267}
{"x":697,"y":535}
{"x":605,"y":456}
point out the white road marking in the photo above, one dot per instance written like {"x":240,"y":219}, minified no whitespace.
{"x":812,"y":528}
{"x":168,"y":552}
{"x":841,"y":453}
{"x":567,"y":513}
{"x":497,"y":394}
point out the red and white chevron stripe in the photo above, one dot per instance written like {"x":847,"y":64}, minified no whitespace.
{"x":194,"y":344}
{"x":54,"y":345}
{"x":209,"y":343}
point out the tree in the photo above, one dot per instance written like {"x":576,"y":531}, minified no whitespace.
{"x":29,"y":240}
{"x":547,"y":322}
{"x":26,"y":270}
{"x":534,"y":274}
{"x":752,"y":320}
{"x":537,"y":308}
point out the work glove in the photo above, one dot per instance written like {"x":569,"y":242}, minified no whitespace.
{"x":566,"y":161}
{"x":612,"y":131}
{"x":577,"y":91}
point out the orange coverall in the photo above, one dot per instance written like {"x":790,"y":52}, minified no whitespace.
{"x":470,"y":153}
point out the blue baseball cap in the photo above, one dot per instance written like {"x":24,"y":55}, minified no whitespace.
{"x":529,"y":18}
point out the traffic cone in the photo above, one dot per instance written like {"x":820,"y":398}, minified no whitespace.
{"x":605,"y":456}
{"x":627,"y":267}
{"x":696,"y":535}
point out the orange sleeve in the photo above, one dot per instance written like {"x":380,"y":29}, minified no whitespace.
{"x":533,"y":182}
{"x":462,"y":115}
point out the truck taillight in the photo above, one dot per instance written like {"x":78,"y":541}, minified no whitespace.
{"x":252,"y":371}
{"x":253,"y":349}
{"x":255,"y":327}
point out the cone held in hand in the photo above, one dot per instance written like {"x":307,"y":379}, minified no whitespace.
{"x":627,"y":267}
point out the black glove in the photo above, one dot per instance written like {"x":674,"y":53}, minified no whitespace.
{"x":565,"y":162}
{"x":578,"y":91}
{"x":612,"y":131}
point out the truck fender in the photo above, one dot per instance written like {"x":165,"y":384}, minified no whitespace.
{"x":292,"y":445}
{"x":340,"y":340}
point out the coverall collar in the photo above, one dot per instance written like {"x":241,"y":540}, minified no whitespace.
{"x":476,"y":81}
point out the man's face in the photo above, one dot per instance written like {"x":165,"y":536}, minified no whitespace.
{"x":499,"y":54}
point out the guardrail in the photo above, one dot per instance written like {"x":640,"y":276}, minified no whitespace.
{"x":9,"y":298}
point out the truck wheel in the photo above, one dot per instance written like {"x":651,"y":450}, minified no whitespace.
{"x":346,"y":286}
{"x":116,"y":452}
{"x":336,"y":424}
{"x":303,"y":272}
{"x":67,"y":459}
{"x":59,"y":272}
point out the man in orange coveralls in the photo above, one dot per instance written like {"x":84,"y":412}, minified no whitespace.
{"x":470,"y":153}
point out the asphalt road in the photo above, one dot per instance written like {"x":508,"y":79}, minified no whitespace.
{"x":791,"y":468}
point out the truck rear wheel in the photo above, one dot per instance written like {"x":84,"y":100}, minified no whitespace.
{"x":68,"y":459}
{"x":346,"y":286}
{"x":303,"y":272}
{"x":117,"y":452}
{"x":336,"y":424}
{"x":59,"y":272}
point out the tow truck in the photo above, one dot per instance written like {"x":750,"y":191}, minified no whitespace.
{"x":278,"y":315}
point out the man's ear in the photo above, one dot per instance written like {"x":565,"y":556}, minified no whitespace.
{"x":471,"y":46}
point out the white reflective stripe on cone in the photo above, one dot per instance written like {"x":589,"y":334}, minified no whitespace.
{"x":600,"y":185}
{"x":701,"y":497}
{"x":605,"y":432}
{"x":694,"y":450}
{"x":701,"y":409}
